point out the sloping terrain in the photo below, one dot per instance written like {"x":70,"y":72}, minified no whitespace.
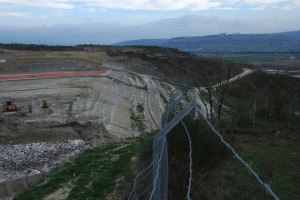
{"x":124,"y":102}
{"x":92,"y":109}
{"x":88,"y":114}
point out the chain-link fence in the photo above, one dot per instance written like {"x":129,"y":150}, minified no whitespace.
{"x":152,"y":181}
{"x":158,"y":169}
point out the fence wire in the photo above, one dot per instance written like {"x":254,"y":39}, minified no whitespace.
{"x":146,"y":174}
{"x":188,"y":196}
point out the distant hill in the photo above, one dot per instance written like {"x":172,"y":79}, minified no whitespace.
{"x":228,"y":43}
{"x":144,"y":42}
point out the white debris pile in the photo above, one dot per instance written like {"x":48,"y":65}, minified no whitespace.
{"x":28,"y":159}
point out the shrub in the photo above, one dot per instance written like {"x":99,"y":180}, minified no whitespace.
{"x":208,"y":152}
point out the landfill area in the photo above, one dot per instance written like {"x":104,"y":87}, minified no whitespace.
{"x":57,"y":117}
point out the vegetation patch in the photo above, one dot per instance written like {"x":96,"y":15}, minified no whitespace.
{"x":133,"y":76}
{"x":265,"y":99}
{"x":92,"y":174}
{"x":217,"y":174}
{"x":166,"y":87}
{"x":140,"y":78}
{"x":273,"y":158}
{"x":163,"y":98}
{"x":138,"y":118}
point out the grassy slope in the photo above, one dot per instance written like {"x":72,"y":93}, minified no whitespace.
{"x":272,"y":152}
{"x":275,"y":158}
{"x":92,"y":174}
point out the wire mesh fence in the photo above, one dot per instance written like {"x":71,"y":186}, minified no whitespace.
{"x":152,"y":181}
{"x":158,"y":169}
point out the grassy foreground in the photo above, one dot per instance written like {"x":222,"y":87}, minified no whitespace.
{"x":217,"y":174}
{"x":91,"y":175}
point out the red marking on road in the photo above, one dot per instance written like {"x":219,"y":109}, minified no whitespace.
{"x":54,"y":74}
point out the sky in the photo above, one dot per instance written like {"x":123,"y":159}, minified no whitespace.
{"x":71,"y":22}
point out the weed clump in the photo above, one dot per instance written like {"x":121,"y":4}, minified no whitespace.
{"x":138,"y":118}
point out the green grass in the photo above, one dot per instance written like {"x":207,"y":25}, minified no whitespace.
{"x":163,"y":98}
{"x":278,"y":168}
{"x":140,"y":108}
{"x":92,"y":174}
{"x":138,"y":118}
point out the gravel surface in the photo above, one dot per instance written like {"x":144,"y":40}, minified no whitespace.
{"x":29,"y":159}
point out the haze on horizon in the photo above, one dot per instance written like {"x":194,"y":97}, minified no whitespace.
{"x":71,"y":22}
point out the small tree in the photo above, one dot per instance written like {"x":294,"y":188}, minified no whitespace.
{"x":225,"y":71}
{"x":214,"y":79}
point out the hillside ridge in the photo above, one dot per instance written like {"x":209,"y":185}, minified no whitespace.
{"x":228,"y":43}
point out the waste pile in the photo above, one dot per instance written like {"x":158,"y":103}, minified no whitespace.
{"x":21,"y":160}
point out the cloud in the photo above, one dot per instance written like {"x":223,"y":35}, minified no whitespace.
{"x":193,"y":5}
{"x":57,"y":4}
{"x":272,"y":4}
{"x":184,"y":4}
{"x":13,"y":14}
{"x":179,"y":4}
{"x":158,"y":4}
{"x":265,"y":1}
{"x":260,"y":7}
{"x":296,"y":3}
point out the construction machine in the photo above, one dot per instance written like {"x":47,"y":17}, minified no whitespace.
{"x":10,"y":106}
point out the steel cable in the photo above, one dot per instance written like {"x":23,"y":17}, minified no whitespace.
{"x":188,"y":196}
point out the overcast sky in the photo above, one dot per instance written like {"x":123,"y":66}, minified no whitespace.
{"x":69,"y":22}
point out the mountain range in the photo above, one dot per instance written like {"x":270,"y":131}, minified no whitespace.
{"x":285,"y":42}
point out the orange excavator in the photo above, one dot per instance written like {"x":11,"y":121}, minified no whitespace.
{"x":10,"y":106}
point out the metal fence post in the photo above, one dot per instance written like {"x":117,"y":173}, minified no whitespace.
{"x":254,"y":115}
{"x":290,"y":110}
